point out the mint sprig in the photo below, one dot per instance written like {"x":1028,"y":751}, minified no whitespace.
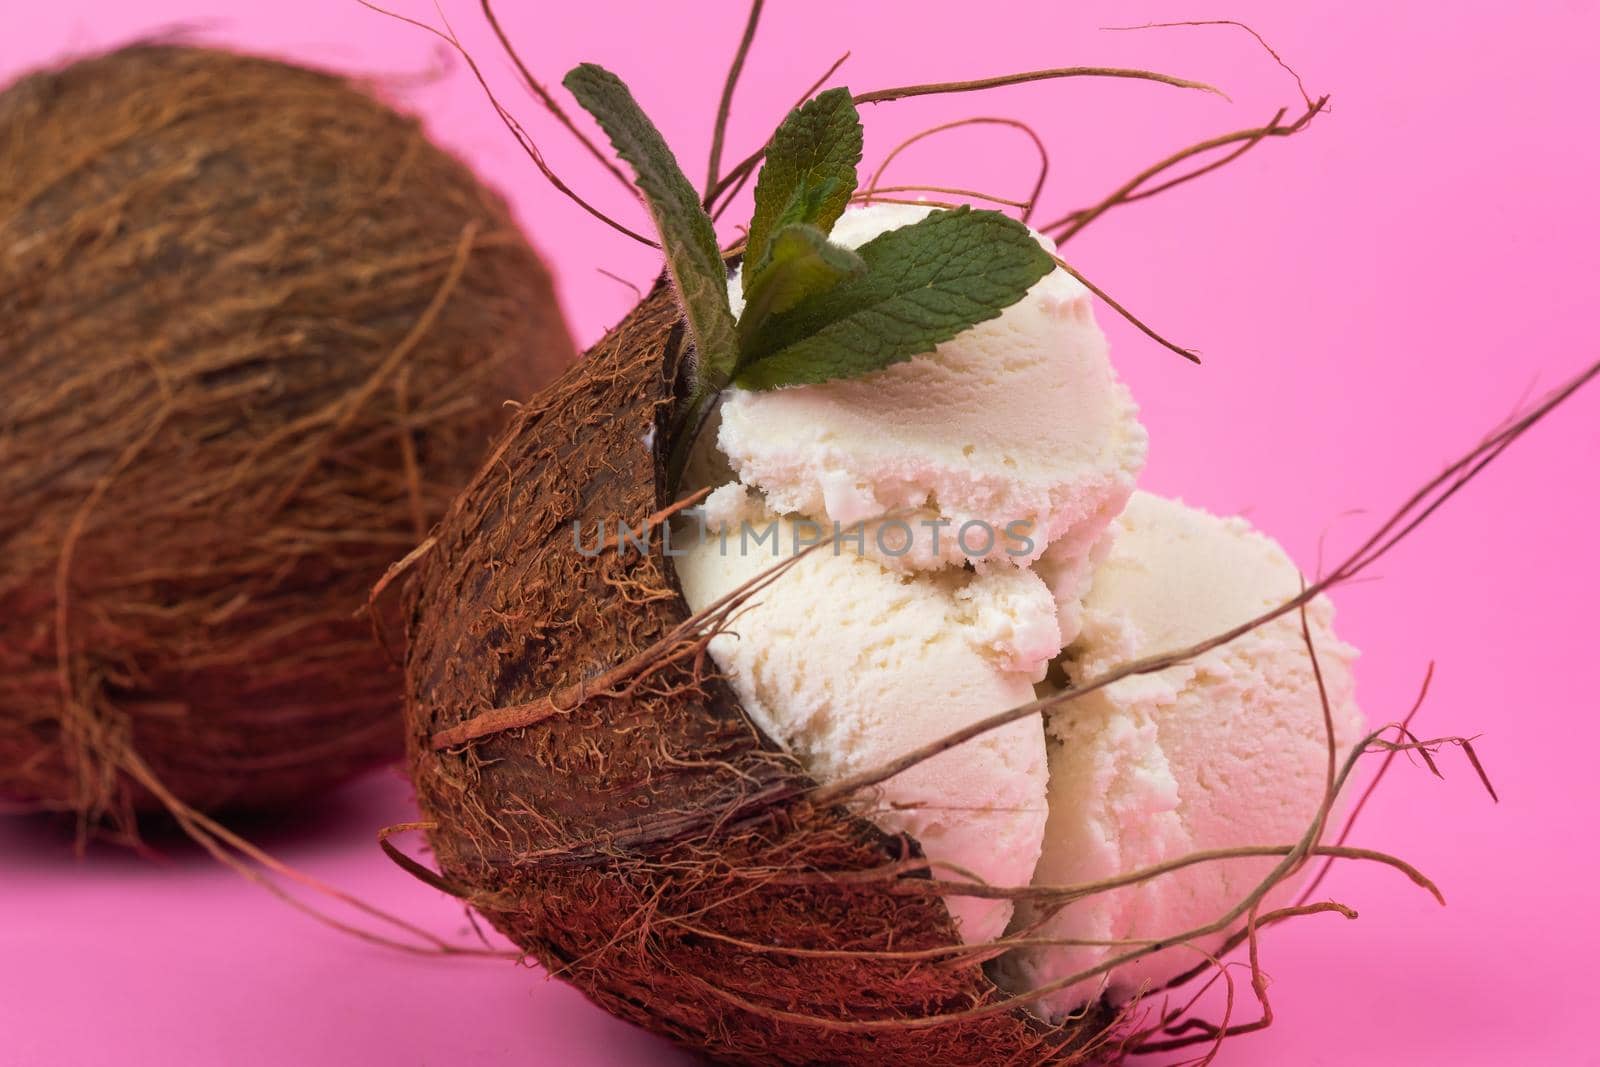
{"x":813,"y":310}
{"x":923,"y":284}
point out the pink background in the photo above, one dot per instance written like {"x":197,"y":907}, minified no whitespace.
{"x":1370,"y":298}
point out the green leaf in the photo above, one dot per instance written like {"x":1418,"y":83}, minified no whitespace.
{"x":808,"y":175}
{"x":687,"y":237}
{"x":924,"y":284}
{"x":803,"y":263}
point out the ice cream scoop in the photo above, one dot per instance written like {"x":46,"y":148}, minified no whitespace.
{"x":1018,"y":424}
{"x":848,"y":664}
{"x":1229,"y":749}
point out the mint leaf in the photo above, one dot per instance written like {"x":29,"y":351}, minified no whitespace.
{"x":802,"y":263}
{"x":809,"y":173}
{"x":924,"y":284}
{"x":687,"y":237}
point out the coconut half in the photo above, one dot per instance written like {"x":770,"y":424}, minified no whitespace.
{"x":643,"y":839}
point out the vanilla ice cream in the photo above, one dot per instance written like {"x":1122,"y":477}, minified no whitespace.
{"x":861,"y":653}
{"x":848,"y":664}
{"x":985,"y":473}
{"x":1018,"y":422}
{"x":1227,"y":750}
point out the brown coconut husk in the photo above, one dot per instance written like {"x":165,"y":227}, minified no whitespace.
{"x":255,"y":331}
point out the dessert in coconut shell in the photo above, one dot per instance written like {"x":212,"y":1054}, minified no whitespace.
{"x":255,"y":331}
{"x":588,"y":781}
{"x":592,"y":785}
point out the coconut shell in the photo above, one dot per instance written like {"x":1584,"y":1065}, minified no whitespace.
{"x":255,"y":332}
{"x":648,"y":843}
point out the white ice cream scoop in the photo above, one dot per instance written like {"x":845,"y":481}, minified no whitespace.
{"x":1019,"y":422}
{"x":848,"y":664}
{"x":1227,"y":750}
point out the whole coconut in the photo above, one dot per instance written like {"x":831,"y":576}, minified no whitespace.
{"x":643,"y":839}
{"x":255,"y":332}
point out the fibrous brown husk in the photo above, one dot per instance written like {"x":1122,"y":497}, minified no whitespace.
{"x":649,"y":844}
{"x":255,"y":331}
